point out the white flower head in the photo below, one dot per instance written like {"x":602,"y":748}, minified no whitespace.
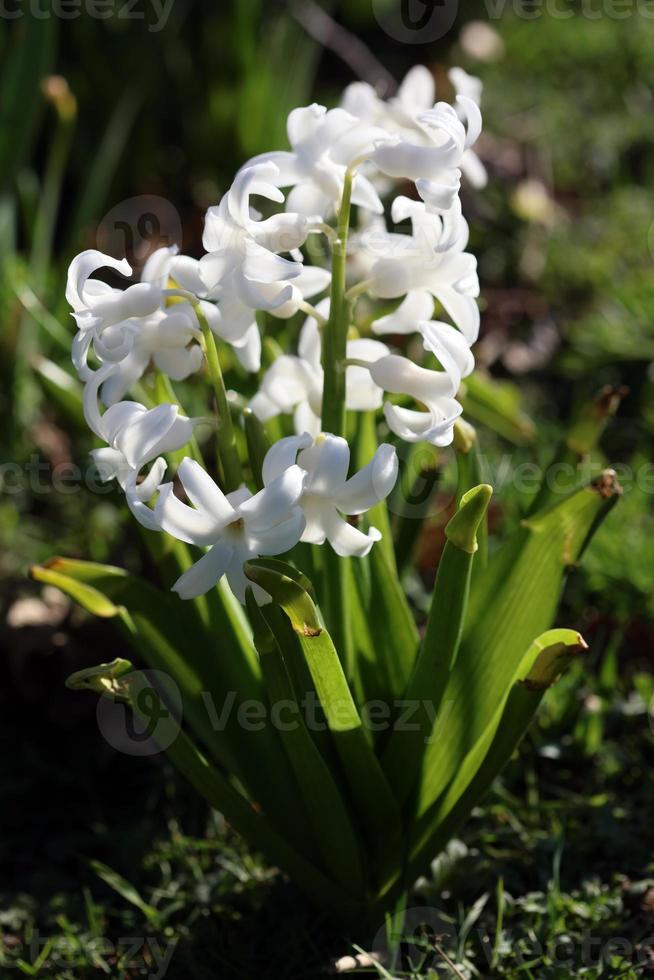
{"x":132,"y":327}
{"x":435,"y":390}
{"x":233,"y":527}
{"x":324,"y":144}
{"x":327,"y":492}
{"x":295,"y":383}
{"x":243,"y":257}
{"x":431,"y":260}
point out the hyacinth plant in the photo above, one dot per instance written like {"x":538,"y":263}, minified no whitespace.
{"x":375,"y":739}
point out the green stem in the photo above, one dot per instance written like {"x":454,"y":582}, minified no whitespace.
{"x":334,"y":340}
{"x":232,"y":474}
{"x":334,"y":348}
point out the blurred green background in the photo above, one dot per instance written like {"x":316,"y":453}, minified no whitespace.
{"x":104,"y":123}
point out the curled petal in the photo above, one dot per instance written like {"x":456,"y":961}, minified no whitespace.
{"x":282,"y":537}
{"x":347,"y":540}
{"x":435,"y":426}
{"x":417,"y":305}
{"x":282,"y":455}
{"x":412,"y":161}
{"x":272,"y":505}
{"x":327,"y":462}
{"x":184,"y":522}
{"x":371,"y":484}
{"x":205,"y":573}
{"x":205,"y":494}
{"x":81,"y":268}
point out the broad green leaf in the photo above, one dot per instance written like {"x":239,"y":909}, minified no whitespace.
{"x":374,"y":803}
{"x":214,"y":687}
{"x":545,"y":660}
{"x":515,"y":600}
{"x":403,"y":756}
{"x":324,"y":801}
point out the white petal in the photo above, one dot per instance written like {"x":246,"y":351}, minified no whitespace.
{"x":401,"y":376}
{"x":157,"y":266}
{"x":435,"y":427}
{"x":418,"y":88}
{"x":308,"y":198}
{"x":205,"y":573}
{"x":474,"y":170}
{"x":145,"y":432}
{"x":371,"y":484}
{"x":248,"y":349}
{"x":417,"y":305}
{"x":184,"y":522}
{"x":327,"y":464}
{"x":81,"y":268}
{"x":258,"y":179}
{"x":287,"y":382}
{"x":347,"y":540}
{"x":282,"y":537}
{"x":410,"y":161}
{"x":281,"y":232}
{"x":470,"y":111}
{"x":272,"y":505}
{"x":179,"y":364}
{"x":306,"y":420}
{"x":462,"y":309}
{"x":204,"y":493}
{"x":449,"y":346}
{"x":362,"y":394}
{"x":282,"y":455}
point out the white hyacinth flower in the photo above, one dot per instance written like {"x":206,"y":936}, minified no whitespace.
{"x":132,"y":327}
{"x":430,"y":260}
{"x":233,"y":527}
{"x":435,"y":390}
{"x":243,"y":260}
{"x":324,"y":144}
{"x":295,"y":383}
{"x":327,"y":492}
{"x":470,"y":87}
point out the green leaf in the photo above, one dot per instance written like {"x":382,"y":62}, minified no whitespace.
{"x":384,"y":632}
{"x":124,"y":889}
{"x":213,"y":683}
{"x":404,"y":754}
{"x":62,"y":389}
{"x":496,"y":404}
{"x":328,"y":812}
{"x":516,"y":599}
{"x":370,"y":792}
{"x":543,"y":663}
{"x":20,"y":92}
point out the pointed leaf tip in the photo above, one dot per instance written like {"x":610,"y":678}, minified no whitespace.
{"x":607,"y":485}
{"x":462,"y":528}
{"x":103,"y":679}
{"x":556,"y":649}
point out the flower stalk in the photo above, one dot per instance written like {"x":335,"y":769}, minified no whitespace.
{"x":231,"y":472}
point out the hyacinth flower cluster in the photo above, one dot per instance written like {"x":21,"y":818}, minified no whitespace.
{"x":336,"y":284}
{"x":355,"y":155}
